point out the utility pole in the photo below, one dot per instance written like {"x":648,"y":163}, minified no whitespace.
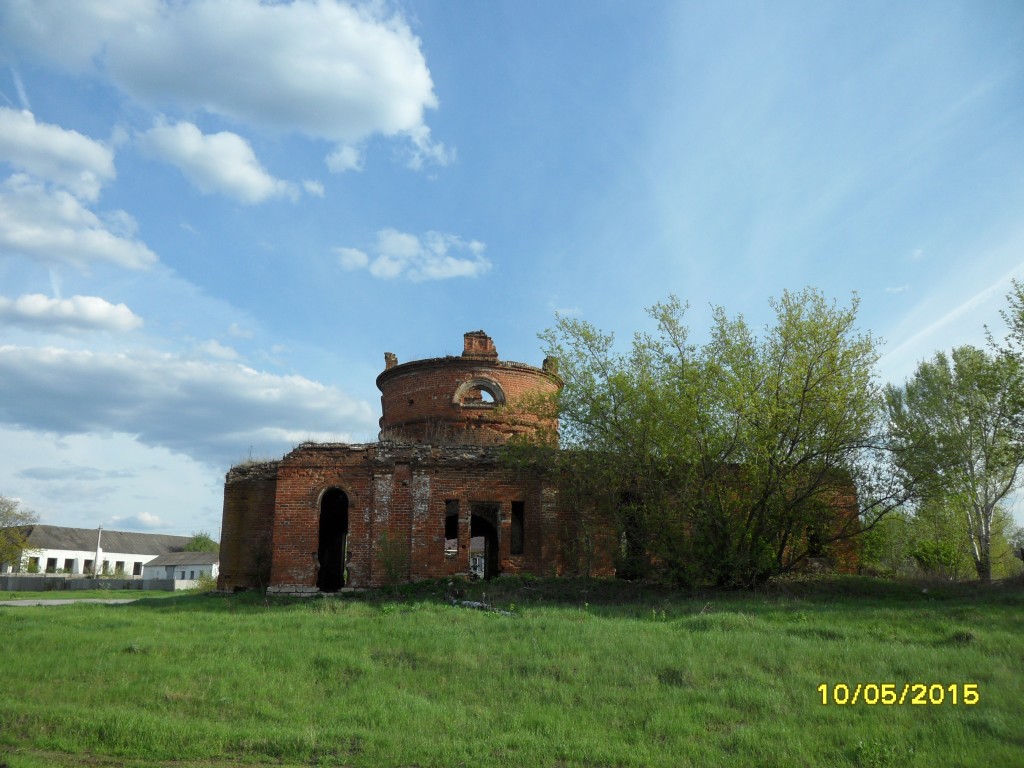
{"x":99,"y":551}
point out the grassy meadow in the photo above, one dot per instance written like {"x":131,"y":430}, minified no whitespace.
{"x":570,"y":673}
{"x":86,"y":594}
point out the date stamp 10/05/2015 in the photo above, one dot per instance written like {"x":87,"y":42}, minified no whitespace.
{"x":893,"y":694}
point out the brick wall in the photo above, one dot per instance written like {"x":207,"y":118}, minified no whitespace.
{"x":439,"y":400}
{"x":245,"y":545}
{"x":403,"y":491}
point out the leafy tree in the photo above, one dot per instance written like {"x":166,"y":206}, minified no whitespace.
{"x":886,"y":548}
{"x":957,"y":437}
{"x":938,"y":544}
{"x":201,"y":541}
{"x":13,"y":536}
{"x":728,"y":460}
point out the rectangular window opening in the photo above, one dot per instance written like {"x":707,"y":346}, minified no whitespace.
{"x":451,"y":527}
{"x":69,"y":566}
{"x":87,"y":567}
{"x":51,"y":565}
{"x":518,"y":532}
{"x":137,"y":569}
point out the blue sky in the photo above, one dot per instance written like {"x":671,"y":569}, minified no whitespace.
{"x":217,"y":215}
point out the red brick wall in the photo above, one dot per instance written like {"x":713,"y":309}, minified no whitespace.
{"x":245,"y":545}
{"x":417,"y":398}
{"x":402,"y":490}
{"x":304,"y":475}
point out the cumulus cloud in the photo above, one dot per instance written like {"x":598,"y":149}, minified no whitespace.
{"x":432,"y":257}
{"x":79,"y":313}
{"x":220,"y":162}
{"x":344,"y":158}
{"x":49,"y":152}
{"x":210,"y":410}
{"x":55,"y":228}
{"x":325,"y":68}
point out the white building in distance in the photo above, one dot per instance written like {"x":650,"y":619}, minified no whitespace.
{"x":91,"y":551}
{"x":182,"y":566}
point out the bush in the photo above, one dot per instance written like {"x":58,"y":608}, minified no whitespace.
{"x":205,"y":583}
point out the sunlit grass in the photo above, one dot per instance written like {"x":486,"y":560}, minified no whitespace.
{"x":577,"y":674}
{"x":87,"y":594}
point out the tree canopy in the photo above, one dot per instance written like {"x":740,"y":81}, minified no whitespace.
{"x":956,"y":432}
{"x":201,"y":541}
{"x":727,"y":460}
{"x":13,"y":521}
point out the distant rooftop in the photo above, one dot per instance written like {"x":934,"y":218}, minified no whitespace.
{"x":127,"y":542}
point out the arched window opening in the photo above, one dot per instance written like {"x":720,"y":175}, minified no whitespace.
{"x":478,"y":396}
{"x":333,"y":540}
{"x":480,"y":393}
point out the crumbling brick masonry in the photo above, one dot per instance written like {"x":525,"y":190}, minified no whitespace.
{"x":430,"y":499}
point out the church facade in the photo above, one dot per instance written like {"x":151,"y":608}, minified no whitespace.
{"x":432,"y":498}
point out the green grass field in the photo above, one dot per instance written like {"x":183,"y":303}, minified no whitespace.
{"x":576,"y":674}
{"x":87,"y":594}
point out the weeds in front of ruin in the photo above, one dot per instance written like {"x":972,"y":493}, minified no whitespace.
{"x":555,"y":673}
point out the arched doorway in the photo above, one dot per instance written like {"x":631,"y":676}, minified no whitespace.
{"x":333,"y":539}
{"x":483,"y":532}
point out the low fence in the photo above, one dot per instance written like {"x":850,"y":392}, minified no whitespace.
{"x":33,"y":583}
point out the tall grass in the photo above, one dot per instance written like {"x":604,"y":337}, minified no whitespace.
{"x":573,"y":675}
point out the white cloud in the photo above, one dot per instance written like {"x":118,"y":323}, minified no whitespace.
{"x":399,"y":254}
{"x":110,"y":476}
{"x":425,"y":151}
{"x":324,"y":68}
{"x":213,"y":348}
{"x":54,"y":228}
{"x":70,"y":35}
{"x":344,"y":158}
{"x":144,"y":521}
{"x":66,"y":158}
{"x":79,"y":313}
{"x":220,"y":162}
{"x":897,"y":289}
{"x":210,"y":410}
{"x":314,"y":188}
{"x":352,"y":258}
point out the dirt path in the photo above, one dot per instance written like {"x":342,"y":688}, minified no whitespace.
{"x":118,"y":601}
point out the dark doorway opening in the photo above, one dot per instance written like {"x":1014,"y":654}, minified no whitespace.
{"x":483,"y":530}
{"x":333,"y":540}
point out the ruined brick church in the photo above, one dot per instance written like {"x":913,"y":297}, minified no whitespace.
{"x":432,"y":497}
